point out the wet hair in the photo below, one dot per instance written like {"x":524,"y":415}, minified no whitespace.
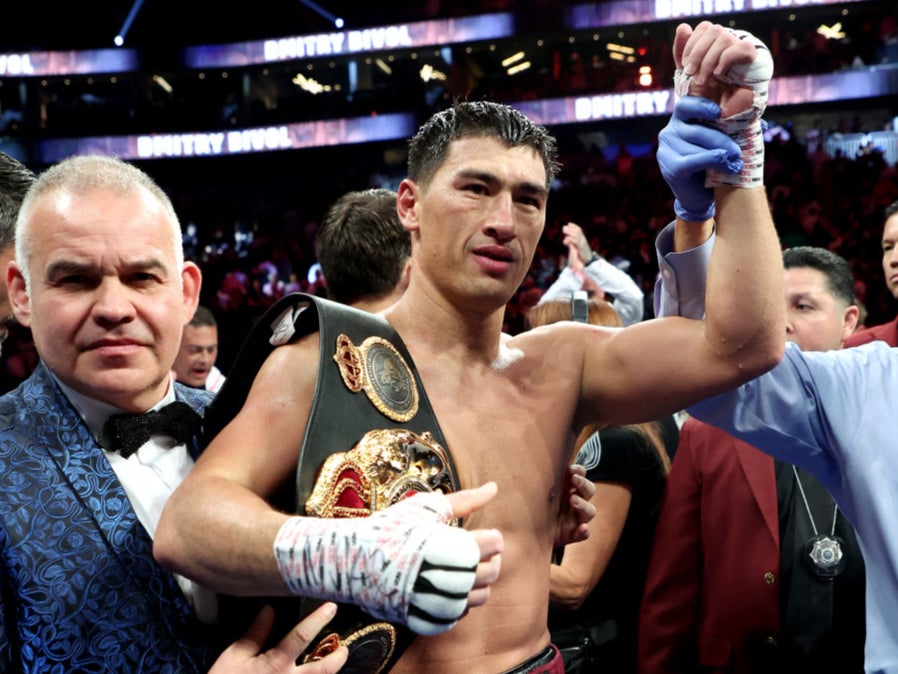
{"x":429,"y":147}
{"x":839,"y":279}
{"x":362,"y":246}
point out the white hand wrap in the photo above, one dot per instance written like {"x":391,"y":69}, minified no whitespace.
{"x":403,"y":564}
{"x":744,"y":127}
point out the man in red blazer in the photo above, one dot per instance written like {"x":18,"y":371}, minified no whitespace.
{"x":729,"y":586}
{"x":887,"y":332}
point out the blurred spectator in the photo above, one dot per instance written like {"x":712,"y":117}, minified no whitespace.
{"x":364,"y":251}
{"x":589,"y":271}
{"x":195,"y":364}
{"x":888,"y":332}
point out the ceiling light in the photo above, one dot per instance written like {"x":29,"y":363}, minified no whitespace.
{"x":518,"y":68}
{"x":336,"y":20}
{"x":645,"y":76}
{"x":834,"y":33}
{"x":429,"y":73}
{"x":119,"y":39}
{"x":308,"y":84}
{"x":620,"y":49}
{"x":163,"y":83}
{"x":511,"y":59}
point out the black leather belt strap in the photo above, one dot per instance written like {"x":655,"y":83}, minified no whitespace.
{"x":541,"y":659}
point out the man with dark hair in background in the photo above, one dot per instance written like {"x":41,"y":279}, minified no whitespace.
{"x":195,"y":363}
{"x":830,"y":413}
{"x":709,"y":604}
{"x":364,"y":251}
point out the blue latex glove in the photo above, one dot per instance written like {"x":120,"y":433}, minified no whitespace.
{"x":687,"y":147}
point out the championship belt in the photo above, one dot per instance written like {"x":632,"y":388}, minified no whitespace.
{"x":371,"y":440}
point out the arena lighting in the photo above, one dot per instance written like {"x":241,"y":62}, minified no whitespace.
{"x":511,"y":59}
{"x":618,"y":48}
{"x":120,"y":38}
{"x":336,"y":20}
{"x":309,"y":84}
{"x":833,"y":33}
{"x":645,"y":76}
{"x":163,"y":83}
{"x":428,"y":73}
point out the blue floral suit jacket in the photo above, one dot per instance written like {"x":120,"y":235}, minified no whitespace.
{"x":79,"y":589}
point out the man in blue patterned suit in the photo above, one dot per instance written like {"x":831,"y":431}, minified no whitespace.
{"x":100,"y":279}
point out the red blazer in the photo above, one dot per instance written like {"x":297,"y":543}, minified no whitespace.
{"x":887,"y":332}
{"x":713,"y":579}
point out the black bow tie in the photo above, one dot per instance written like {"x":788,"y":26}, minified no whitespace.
{"x":125,"y":433}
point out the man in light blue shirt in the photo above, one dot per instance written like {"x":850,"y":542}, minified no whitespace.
{"x":830,"y":413}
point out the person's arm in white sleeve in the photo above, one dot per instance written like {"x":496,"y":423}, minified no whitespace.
{"x":561,"y":289}
{"x":628,"y":296}
{"x":585,"y":265}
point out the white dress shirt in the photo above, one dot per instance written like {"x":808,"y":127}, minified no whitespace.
{"x":149,"y":476}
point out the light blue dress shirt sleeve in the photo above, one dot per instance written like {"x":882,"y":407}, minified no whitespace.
{"x":680,"y":287}
{"x":800,"y":411}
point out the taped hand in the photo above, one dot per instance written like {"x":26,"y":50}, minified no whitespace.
{"x":687,"y":148}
